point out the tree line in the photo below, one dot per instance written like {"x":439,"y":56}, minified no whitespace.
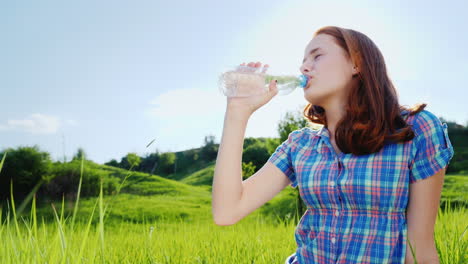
{"x":27,"y":167}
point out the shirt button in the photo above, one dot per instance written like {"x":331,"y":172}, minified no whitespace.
{"x":337,"y":213}
{"x":333,"y":240}
{"x":332,"y":183}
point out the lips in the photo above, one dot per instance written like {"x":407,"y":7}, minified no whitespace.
{"x":309,"y":78}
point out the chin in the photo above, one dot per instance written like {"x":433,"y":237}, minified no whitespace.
{"x":313,"y":98}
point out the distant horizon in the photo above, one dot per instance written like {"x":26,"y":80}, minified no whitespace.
{"x":69,"y":158}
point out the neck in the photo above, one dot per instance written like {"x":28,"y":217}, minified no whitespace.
{"x":334,"y":115}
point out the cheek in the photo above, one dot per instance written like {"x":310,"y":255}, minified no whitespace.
{"x":333,"y":73}
{"x":326,"y":69}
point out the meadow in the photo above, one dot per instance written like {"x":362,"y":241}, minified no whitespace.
{"x":165,"y":228}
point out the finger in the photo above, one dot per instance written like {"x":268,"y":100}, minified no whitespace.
{"x":257,"y":66}
{"x":265,"y":68}
{"x":244,"y":67}
{"x":252,"y":66}
{"x":273,"y":87}
{"x":241,"y":67}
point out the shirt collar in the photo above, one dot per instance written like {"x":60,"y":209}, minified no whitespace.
{"x":323,"y":132}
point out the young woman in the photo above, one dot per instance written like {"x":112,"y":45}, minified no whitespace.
{"x":371,"y":177}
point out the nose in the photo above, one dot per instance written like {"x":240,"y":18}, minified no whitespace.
{"x":304,"y":69}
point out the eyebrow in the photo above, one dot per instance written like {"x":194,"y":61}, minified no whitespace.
{"x":312,"y":52}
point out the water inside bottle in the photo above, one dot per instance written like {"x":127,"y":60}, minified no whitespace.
{"x":242,"y":84}
{"x":247,"y":81}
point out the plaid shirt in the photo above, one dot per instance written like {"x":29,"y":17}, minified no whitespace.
{"x":356,"y":205}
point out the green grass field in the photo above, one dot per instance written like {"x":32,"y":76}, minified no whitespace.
{"x":175,"y":225}
{"x":254,"y":239}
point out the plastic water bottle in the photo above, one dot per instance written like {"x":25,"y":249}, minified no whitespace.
{"x":245,"y":81}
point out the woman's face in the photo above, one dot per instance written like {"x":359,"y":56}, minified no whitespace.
{"x":330,"y":70}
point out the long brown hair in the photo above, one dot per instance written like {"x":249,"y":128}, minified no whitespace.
{"x":373,"y":114}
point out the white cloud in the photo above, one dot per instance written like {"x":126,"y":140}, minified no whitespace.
{"x":35,"y":124}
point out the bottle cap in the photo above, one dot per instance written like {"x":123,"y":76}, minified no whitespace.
{"x":303,"y":78}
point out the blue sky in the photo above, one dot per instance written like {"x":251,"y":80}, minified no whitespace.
{"x":110,"y":76}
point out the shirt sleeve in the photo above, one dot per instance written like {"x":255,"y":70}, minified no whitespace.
{"x":282,"y":157}
{"x":431,"y":149}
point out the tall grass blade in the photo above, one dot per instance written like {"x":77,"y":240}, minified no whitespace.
{"x":88,"y":226}
{"x":101,"y":222}
{"x":29,"y":197}
{"x":75,"y":210}
{"x":61,"y":233}
{"x":13,"y":208}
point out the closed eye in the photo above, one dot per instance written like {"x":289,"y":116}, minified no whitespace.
{"x":314,"y":57}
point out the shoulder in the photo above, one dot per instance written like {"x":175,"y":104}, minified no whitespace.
{"x":424,"y":122}
{"x":303,"y":132}
{"x":302,"y":136}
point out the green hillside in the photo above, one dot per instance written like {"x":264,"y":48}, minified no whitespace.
{"x":201,"y":177}
{"x":151,"y":197}
{"x":143,"y":196}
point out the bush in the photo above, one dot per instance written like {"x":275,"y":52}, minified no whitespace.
{"x":25,"y":166}
{"x":66,"y":176}
{"x":256,"y":153}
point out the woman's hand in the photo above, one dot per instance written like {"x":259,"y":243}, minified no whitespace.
{"x":252,"y":103}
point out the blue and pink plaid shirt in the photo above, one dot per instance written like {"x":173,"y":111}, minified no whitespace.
{"x":356,"y":205}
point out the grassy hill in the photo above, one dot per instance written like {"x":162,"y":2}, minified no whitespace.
{"x":151,"y":197}
{"x":142,"y":196}
{"x":203,"y":177}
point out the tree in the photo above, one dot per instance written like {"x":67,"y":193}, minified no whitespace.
{"x":149,"y":163}
{"x":26,"y":166}
{"x":133,"y":160}
{"x":80,"y":154}
{"x":166,"y":163}
{"x":209,"y":151}
{"x":256,"y":153}
{"x":291,"y":121}
{"x":113,"y":163}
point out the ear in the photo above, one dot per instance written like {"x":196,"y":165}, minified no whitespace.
{"x":355,"y":70}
